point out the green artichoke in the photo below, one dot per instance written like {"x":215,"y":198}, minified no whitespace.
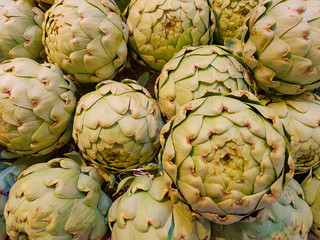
{"x":61,"y":199}
{"x":117,"y":126}
{"x":160,"y":28}
{"x":300,"y":116}
{"x":288,"y":218}
{"x":147,"y":211}
{"x":86,"y":38}
{"x":195,"y":70}
{"x":3,"y":234}
{"x":8,"y":176}
{"x":282,"y":45}
{"x":230,"y":16}
{"x":21,"y":31}
{"x":37,"y":103}
{"x":311,"y":188}
{"x":227,"y":154}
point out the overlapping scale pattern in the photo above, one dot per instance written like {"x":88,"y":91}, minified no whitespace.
{"x":57,"y":200}
{"x":300,"y":116}
{"x":21,"y":30}
{"x":117,"y":126}
{"x":147,"y":211}
{"x":86,"y":38}
{"x":288,"y":218}
{"x":160,"y":28}
{"x":195,"y":70}
{"x":230,"y":16}
{"x":282,"y":45}
{"x":227,"y":155}
{"x":37,"y":104}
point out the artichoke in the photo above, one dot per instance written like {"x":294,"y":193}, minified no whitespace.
{"x":227,"y":154}
{"x":230,"y":16}
{"x":288,"y":218}
{"x":21,"y":31}
{"x":117,"y":126}
{"x":8,"y":176}
{"x":282,"y":45}
{"x":300,"y":117}
{"x":311,"y":188}
{"x":86,"y":38}
{"x":195,"y":70}
{"x":61,"y":199}
{"x":37,"y":103}
{"x":148,"y":211}
{"x":160,"y":28}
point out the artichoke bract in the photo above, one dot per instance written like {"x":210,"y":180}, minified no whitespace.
{"x":282,"y":45}
{"x":148,"y":211}
{"x":61,"y":199}
{"x":227,"y":154}
{"x":160,"y":28}
{"x":288,"y":218}
{"x":300,"y":117}
{"x":21,"y":30}
{"x":86,"y":38}
{"x":37,"y":104}
{"x":117,"y":126}
{"x":230,"y":16}
{"x":195,"y":70}
{"x":311,"y":188}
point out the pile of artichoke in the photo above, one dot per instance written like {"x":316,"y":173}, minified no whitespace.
{"x":162,"y":119}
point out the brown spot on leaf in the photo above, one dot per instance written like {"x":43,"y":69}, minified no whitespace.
{"x":56,"y":122}
{"x":284,"y":58}
{"x":225,"y":192}
{"x":300,"y":11}
{"x":181,"y":236}
{"x":275,"y":148}
{"x":192,"y":172}
{"x":9,"y":92}
{"x":223,"y":107}
{"x":238,"y":203}
{"x":248,"y":124}
{"x":170,"y":160}
{"x":308,"y":70}
{"x":39,"y":209}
